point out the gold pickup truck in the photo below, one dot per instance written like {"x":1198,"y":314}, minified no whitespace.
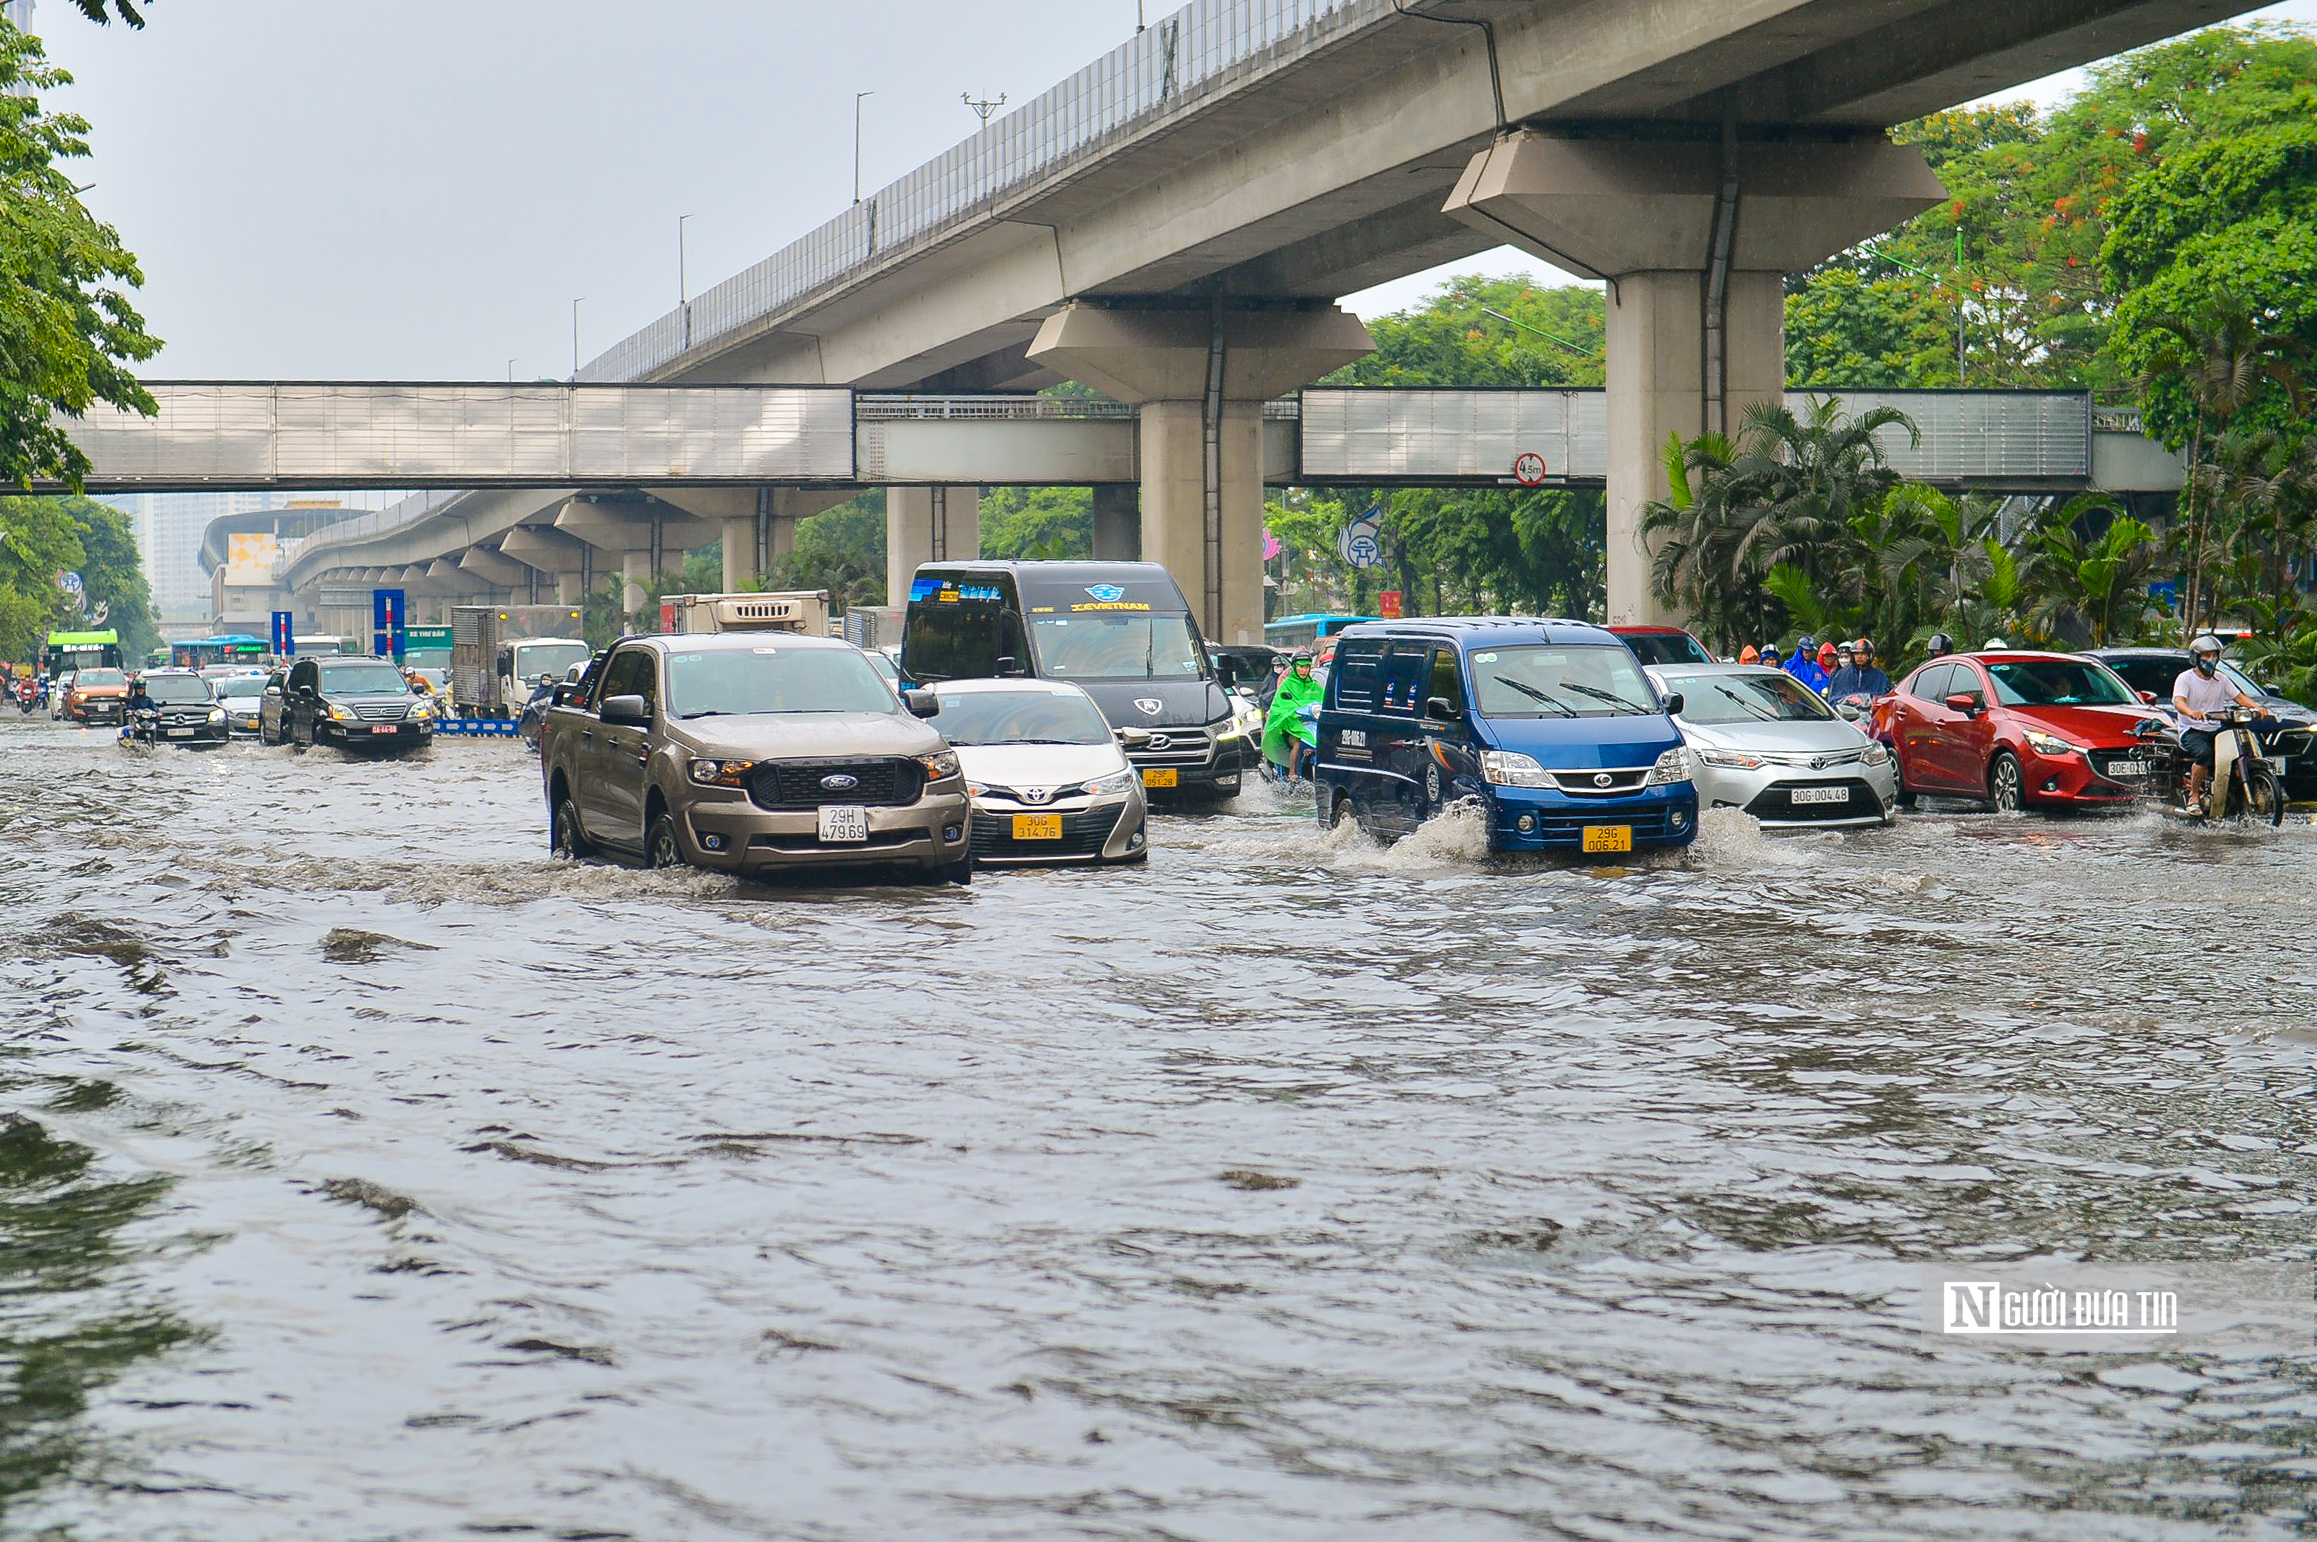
{"x":753,"y":753}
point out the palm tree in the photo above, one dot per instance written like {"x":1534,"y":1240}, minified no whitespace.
{"x":1788,"y":491}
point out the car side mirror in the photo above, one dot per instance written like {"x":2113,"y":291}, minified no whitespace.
{"x":1226,"y":672}
{"x":1674,"y":702}
{"x":2148,"y":696}
{"x":921,"y":703}
{"x":1963,"y":702}
{"x":1441,"y":710}
{"x":1133,"y":737}
{"x":1008,"y":665}
{"x":626,"y":712}
{"x":273,"y":690}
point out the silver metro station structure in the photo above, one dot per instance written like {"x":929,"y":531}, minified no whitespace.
{"x":1171,"y":227}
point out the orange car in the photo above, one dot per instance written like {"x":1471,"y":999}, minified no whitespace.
{"x":97,"y":696}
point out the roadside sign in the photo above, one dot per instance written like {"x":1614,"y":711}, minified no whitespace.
{"x":1388,"y":604}
{"x":285,"y":640}
{"x":388,"y":610}
{"x":1528,"y":469}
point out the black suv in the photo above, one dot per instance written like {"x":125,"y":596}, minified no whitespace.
{"x":355,"y":702}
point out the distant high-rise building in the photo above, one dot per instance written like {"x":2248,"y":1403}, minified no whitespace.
{"x":20,"y":12}
{"x":169,"y":529}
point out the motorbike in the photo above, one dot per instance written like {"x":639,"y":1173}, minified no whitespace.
{"x":27,"y":696}
{"x":143,"y":727}
{"x":1302,"y":744}
{"x":2243,"y":786}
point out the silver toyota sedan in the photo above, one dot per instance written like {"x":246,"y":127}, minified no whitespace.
{"x":1762,"y":741}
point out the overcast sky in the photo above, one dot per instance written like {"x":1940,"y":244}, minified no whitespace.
{"x":418,"y":189}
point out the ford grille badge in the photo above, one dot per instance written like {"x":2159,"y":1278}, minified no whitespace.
{"x":840,"y":782}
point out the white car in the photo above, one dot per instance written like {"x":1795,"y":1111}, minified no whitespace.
{"x":1047,"y":778}
{"x":1762,"y":741}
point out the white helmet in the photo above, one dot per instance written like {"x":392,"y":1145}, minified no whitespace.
{"x":2207,"y":644}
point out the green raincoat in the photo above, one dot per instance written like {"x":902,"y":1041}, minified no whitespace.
{"x":1283,"y":724}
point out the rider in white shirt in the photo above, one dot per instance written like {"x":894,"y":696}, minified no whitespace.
{"x":2196,"y":695}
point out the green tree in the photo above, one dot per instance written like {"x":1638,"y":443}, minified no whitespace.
{"x":112,"y":573}
{"x":842,"y":551}
{"x":1037,"y":523}
{"x":38,"y":540}
{"x":67,"y":330}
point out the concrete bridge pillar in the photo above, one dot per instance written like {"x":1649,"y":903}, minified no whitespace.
{"x":1201,"y":373}
{"x":755,"y":524}
{"x":928,"y":524}
{"x":1117,"y":522}
{"x":1695,"y":236}
{"x":645,"y":539}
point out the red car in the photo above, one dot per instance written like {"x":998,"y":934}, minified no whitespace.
{"x":1663,"y":645}
{"x":2019,"y":730}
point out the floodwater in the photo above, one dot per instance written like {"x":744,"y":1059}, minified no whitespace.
{"x":365,"y":1174}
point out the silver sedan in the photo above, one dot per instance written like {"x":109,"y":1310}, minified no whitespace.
{"x":1762,"y":741}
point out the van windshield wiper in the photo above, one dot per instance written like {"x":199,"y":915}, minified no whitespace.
{"x":1534,"y":694}
{"x":1609,"y":696}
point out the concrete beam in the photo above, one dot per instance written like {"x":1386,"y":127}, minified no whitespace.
{"x":544,"y":548}
{"x":499,"y":571}
{"x":1160,"y":354}
{"x":624,"y":527}
{"x":1606,"y":207}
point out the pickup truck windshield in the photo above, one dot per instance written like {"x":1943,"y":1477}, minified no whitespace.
{"x":774,"y":678}
{"x":1117,"y":648}
{"x":1556,"y":680}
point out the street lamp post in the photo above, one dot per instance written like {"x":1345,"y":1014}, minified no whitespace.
{"x":858,"y":98}
{"x":575,"y":336}
{"x":683,"y":286}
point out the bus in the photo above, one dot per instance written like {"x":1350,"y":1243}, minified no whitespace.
{"x":1303,"y":631}
{"x":226,"y":648}
{"x":80,"y":650}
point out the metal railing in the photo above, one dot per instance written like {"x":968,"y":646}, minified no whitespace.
{"x":1181,"y":62}
{"x":985,"y":409}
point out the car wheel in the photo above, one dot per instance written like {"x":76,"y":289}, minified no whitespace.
{"x":565,"y":835}
{"x":2007,"y":784}
{"x":959,"y":872}
{"x":1340,"y":812}
{"x":661,"y":848}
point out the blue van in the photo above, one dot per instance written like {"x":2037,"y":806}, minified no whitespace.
{"x":1551,"y":725}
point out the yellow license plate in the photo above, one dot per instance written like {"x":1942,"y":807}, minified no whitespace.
{"x":1609,"y":837}
{"x":1037,"y":827}
{"x":1159,"y":777}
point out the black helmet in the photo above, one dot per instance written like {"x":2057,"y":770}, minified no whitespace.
{"x":1941,"y":645}
{"x":1866,"y":647}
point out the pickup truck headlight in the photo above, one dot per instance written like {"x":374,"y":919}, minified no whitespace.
{"x":1503,"y":768}
{"x":1672,"y":767}
{"x":1116,"y":782}
{"x":719,"y":773}
{"x":2045,"y":744}
{"x":939,"y":766}
{"x":1736,"y":760}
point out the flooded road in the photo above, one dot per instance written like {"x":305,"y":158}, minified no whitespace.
{"x":364,"y":1174}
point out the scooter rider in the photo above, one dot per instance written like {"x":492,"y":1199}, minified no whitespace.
{"x":1804,"y":665}
{"x":1939,"y":646}
{"x":2196,"y":695}
{"x":1282,"y":746}
{"x":1861,"y":677}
